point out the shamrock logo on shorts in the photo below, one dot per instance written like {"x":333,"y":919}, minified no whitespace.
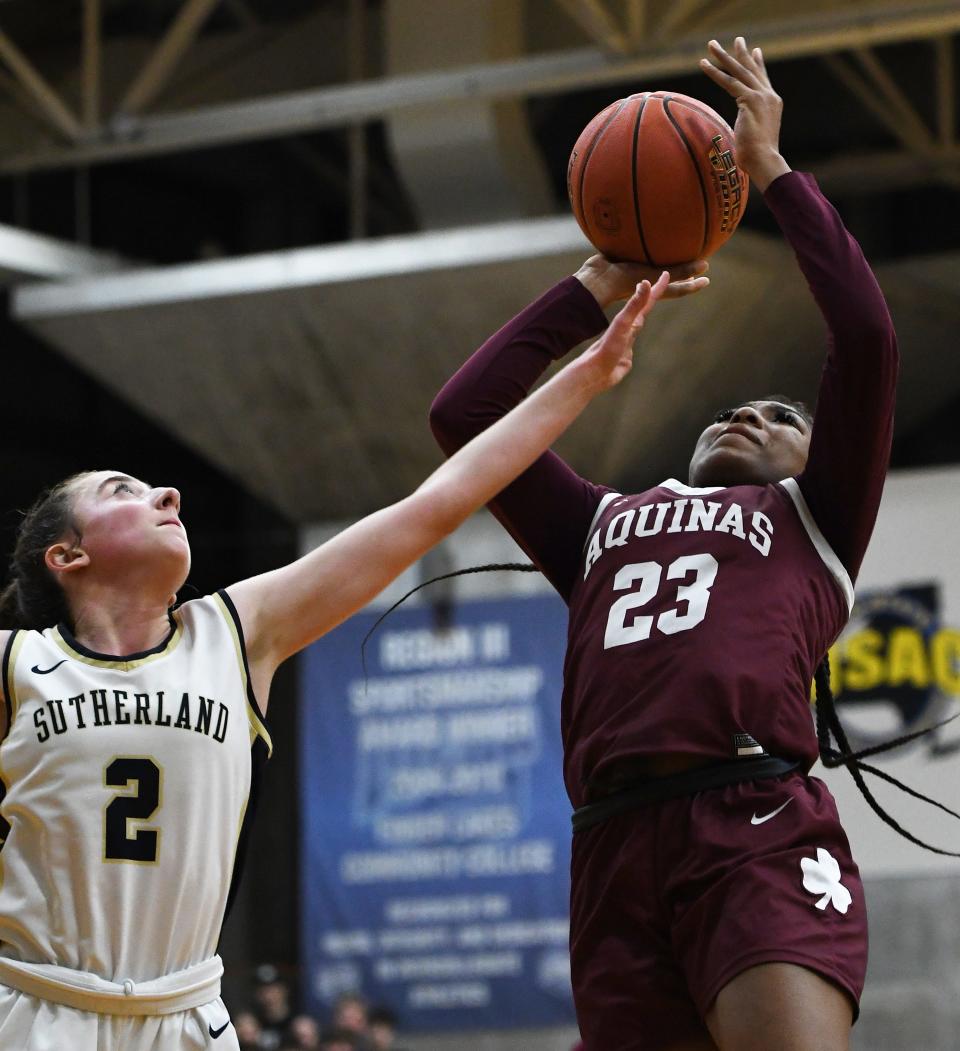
{"x":823,"y":877}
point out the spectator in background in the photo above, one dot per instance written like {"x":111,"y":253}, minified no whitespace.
{"x":303,"y":1033}
{"x":338,"y":1039}
{"x":382,"y":1028}
{"x":248,"y":1031}
{"x":271,"y":996}
{"x":350,"y":1013}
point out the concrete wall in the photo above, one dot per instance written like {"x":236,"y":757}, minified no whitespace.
{"x":912,"y":995}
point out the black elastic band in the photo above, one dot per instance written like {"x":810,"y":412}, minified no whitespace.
{"x":685,"y":784}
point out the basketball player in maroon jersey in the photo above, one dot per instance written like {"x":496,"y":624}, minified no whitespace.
{"x":714,"y":900}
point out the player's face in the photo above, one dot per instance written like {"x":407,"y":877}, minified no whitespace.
{"x":757,"y":443}
{"x":130,"y":525}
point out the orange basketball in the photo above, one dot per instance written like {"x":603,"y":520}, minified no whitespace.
{"x":653,"y":178}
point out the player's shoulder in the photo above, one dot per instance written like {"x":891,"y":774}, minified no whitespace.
{"x":213,"y":611}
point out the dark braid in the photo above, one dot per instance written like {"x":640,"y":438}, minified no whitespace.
{"x":33,"y":598}
{"x":490,"y":567}
{"x":828,"y":723}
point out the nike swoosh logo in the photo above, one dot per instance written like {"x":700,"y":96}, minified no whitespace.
{"x":37,"y":670}
{"x":773,"y":813}
{"x":216,"y":1032}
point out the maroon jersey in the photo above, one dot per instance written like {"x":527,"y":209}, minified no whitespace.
{"x":697,"y":621}
{"x":705,"y":611}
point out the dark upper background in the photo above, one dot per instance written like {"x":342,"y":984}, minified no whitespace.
{"x":898,"y":191}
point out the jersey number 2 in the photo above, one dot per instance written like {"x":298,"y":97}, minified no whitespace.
{"x":643,"y":578}
{"x":120,"y":841}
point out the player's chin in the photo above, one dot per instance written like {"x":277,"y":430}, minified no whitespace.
{"x":733,"y":464}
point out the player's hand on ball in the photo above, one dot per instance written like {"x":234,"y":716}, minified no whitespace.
{"x":742,"y":74}
{"x":609,"y":282}
{"x":608,"y":360}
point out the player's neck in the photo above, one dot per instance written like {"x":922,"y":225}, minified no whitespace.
{"x":127,"y":625}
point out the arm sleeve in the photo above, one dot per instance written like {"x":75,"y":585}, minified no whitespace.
{"x":853,"y":422}
{"x":548,"y":509}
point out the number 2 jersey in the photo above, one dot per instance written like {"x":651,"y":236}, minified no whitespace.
{"x":126,"y":783}
{"x":698,"y":616}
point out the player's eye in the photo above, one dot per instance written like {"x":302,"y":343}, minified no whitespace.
{"x":123,"y":487}
{"x":785,"y":416}
{"x":723,"y":415}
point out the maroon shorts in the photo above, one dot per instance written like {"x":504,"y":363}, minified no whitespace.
{"x":672,"y":900}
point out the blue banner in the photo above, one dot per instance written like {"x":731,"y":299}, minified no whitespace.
{"x":436,"y":830}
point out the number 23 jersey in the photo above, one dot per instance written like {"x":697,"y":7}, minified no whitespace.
{"x":126,"y":783}
{"x":697,"y":620}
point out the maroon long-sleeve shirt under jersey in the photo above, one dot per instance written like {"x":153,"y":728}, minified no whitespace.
{"x":697,"y":616}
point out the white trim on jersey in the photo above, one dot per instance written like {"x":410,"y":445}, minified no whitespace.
{"x":689,"y":490}
{"x":824,"y":550}
{"x":605,"y":501}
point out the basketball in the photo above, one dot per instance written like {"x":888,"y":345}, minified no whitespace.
{"x":653,"y":178}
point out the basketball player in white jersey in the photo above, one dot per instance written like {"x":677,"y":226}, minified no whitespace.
{"x":130,"y":731}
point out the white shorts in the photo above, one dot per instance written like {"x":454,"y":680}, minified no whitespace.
{"x":28,"y":1023}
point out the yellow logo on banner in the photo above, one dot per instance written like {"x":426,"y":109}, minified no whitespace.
{"x":896,"y":668}
{"x":870,"y":658}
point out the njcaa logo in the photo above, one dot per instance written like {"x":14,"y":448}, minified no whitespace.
{"x":896,"y":669}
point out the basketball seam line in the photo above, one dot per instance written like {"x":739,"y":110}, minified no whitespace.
{"x":589,"y":153}
{"x":696,"y":168}
{"x":633,"y":179}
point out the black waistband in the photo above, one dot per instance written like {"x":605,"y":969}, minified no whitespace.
{"x":686,"y":784}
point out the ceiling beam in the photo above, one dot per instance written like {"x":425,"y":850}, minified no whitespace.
{"x":946,"y":92}
{"x":176,"y":41}
{"x":883,"y":104}
{"x":26,"y":256}
{"x":914,"y":132}
{"x":597,"y":22}
{"x":332,"y":264}
{"x":883,"y":97}
{"x":868,"y":173}
{"x":677,"y":13}
{"x":535,"y":75}
{"x":52,"y":106}
{"x":638,"y":15}
{"x":90,"y":86}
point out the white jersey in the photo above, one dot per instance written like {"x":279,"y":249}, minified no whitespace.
{"x":126,"y":786}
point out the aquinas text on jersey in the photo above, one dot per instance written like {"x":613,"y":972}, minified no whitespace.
{"x":203,"y":715}
{"x":685,"y":515}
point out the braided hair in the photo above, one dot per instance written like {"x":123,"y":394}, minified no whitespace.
{"x":829,"y":727}
{"x":33,"y":598}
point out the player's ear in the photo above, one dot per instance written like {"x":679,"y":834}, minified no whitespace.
{"x":65,"y":557}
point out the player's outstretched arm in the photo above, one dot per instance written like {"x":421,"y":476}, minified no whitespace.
{"x":742,"y":73}
{"x":284,"y":610}
{"x":853,"y":427}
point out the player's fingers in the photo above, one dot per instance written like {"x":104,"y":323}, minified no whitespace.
{"x":655,"y":291}
{"x":730,"y":84}
{"x":660,"y":285}
{"x":685,"y":270}
{"x":679,"y":289}
{"x":763,"y":77}
{"x":738,"y":64}
{"x":624,"y":321}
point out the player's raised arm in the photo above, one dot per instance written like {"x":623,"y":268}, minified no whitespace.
{"x":284,"y":610}
{"x":853,"y":425}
